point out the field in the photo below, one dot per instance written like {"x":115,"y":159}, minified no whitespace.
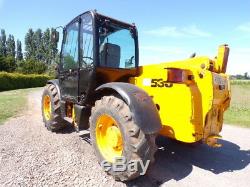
{"x":239,"y":111}
{"x":12,"y":103}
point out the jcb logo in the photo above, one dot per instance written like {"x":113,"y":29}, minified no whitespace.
{"x":160,"y":83}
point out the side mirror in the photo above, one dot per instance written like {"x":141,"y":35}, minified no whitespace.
{"x":54,"y":36}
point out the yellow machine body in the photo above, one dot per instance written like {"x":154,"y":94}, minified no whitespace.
{"x":192,"y":109}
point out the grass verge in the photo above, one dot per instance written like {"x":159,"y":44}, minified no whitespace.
{"x":239,"y":111}
{"x":12,"y":103}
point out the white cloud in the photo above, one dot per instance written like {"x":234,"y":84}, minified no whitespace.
{"x":193,"y":30}
{"x":171,"y":31}
{"x":244,"y":27}
{"x":165,"y":31}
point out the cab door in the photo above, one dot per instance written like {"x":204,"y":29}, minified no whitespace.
{"x":69,"y":68}
{"x":86,"y":56}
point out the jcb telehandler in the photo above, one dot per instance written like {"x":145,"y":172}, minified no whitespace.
{"x":101,"y":87}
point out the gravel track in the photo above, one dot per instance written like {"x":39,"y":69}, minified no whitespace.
{"x":32,"y":156}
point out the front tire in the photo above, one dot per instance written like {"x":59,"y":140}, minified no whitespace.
{"x":114,"y":134}
{"x":51,"y":111}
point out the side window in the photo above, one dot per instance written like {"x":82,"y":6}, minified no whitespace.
{"x":70,"y":47}
{"x":86,"y":41}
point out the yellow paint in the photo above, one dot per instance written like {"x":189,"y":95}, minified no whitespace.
{"x":108,"y":138}
{"x":73,"y":114}
{"x":74,"y":117}
{"x":47,"y":107}
{"x":221,"y":60}
{"x":212,"y":140}
{"x":192,"y":110}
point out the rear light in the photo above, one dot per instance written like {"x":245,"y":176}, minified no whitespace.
{"x":175,"y":75}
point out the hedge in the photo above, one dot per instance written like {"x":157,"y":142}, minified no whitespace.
{"x":240,"y":82}
{"x":11,"y":81}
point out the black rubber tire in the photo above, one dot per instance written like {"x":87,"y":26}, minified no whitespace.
{"x":55,"y":123}
{"x":136,"y":145}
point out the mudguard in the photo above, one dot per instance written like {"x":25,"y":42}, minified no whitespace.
{"x":55,"y":82}
{"x":143,"y":109}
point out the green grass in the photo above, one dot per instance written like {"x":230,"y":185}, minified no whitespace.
{"x":12,"y":103}
{"x":239,"y":111}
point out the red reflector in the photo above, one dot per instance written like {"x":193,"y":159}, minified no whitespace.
{"x":175,"y":75}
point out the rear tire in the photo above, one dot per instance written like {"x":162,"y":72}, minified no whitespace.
{"x":137,"y":146}
{"x":52,"y":120}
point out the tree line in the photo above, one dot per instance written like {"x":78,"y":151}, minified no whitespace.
{"x":39,"y":56}
{"x":245,"y":76}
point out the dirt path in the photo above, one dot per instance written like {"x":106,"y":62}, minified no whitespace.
{"x":32,"y":156}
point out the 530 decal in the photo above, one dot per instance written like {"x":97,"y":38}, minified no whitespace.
{"x":160,"y":83}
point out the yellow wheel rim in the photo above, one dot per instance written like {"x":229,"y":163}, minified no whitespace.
{"x":47,"y":107}
{"x":108,"y":138}
{"x":74,"y":118}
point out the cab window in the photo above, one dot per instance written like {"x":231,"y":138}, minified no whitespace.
{"x":86,"y":42}
{"x":70,"y":47}
{"x":117,"y":47}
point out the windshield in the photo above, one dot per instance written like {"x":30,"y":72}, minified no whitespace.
{"x":117,"y":47}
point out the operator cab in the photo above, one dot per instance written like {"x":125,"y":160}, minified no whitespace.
{"x":96,"y":49}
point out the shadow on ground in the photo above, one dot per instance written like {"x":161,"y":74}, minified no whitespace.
{"x":67,"y":130}
{"x":175,"y":160}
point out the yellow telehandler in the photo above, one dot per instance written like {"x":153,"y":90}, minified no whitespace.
{"x":101,"y":87}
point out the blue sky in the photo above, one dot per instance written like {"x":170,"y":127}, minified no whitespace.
{"x":168,"y":30}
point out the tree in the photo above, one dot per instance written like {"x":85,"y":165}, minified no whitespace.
{"x":10,"y":46}
{"x":29,"y":45}
{"x":38,"y":45}
{"x":54,"y":50}
{"x":3,"y":43}
{"x":7,"y":64}
{"x":32,"y":66}
{"x":47,"y":46}
{"x":19,"y":53}
{"x":40,"y":52}
{"x":246,"y":75}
